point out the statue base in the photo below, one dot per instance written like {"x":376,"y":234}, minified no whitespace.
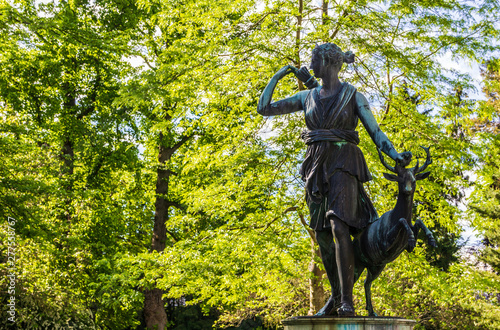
{"x":347,"y":323}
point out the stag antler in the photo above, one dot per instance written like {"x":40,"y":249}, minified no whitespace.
{"x":428,"y":161}
{"x":387,"y":166}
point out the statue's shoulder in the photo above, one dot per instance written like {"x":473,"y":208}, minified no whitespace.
{"x":349,"y":91}
{"x":350,"y":88}
{"x":311,"y":93}
{"x":360,"y":98}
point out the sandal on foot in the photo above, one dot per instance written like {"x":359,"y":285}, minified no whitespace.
{"x":346,"y":310}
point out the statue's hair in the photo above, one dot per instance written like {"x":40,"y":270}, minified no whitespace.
{"x":331,"y":54}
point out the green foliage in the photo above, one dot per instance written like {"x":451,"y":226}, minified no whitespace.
{"x":412,"y":288}
{"x":72,"y":175}
{"x":486,"y":197}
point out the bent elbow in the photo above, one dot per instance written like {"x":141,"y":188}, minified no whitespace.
{"x":263,"y":110}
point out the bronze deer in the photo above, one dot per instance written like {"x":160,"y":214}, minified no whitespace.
{"x":384,"y":240}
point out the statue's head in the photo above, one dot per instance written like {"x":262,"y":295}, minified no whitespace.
{"x":329,"y":54}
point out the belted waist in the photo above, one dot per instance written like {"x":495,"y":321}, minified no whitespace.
{"x":333,"y":135}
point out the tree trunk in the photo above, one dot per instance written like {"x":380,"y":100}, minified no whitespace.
{"x":317,"y":294}
{"x":324,"y":12}
{"x":67,"y":151}
{"x":297,"y":42}
{"x":67,"y":156}
{"x":154,"y":309}
{"x":154,"y":306}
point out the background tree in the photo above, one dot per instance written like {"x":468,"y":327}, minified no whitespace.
{"x":486,"y":197}
{"x":70,"y":160}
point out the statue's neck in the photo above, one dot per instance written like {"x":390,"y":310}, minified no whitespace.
{"x":331,"y":84}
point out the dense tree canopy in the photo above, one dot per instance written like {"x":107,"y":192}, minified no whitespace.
{"x":140,"y":188}
{"x":486,"y":197}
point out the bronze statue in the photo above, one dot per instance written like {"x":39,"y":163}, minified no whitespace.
{"x":334,"y":168}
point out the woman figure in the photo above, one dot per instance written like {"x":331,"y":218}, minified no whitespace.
{"x":334,"y":168}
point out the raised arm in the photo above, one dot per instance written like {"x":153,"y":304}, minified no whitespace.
{"x":288,"y":105}
{"x":381,"y":140}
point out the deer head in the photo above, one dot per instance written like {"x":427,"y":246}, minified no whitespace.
{"x":407,"y":177}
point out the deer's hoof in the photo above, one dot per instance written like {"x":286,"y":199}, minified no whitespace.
{"x":412,"y":242}
{"x":432,"y":242}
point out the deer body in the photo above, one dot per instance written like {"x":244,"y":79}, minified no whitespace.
{"x":387,"y":237}
{"x":384,"y":240}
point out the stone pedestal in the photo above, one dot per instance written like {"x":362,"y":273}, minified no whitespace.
{"x":347,"y":323}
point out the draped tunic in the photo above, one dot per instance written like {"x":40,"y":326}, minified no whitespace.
{"x":334,"y":168}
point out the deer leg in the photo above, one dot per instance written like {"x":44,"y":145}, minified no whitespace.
{"x":372,"y":274}
{"x":415,"y":230}
{"x":420,"y":224}
{"x":394,"y":231}
{"x":412,"y":242}
{"x":358,"y":269}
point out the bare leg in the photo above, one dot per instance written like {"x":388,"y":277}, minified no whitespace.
{"x":327,"y":249}
{"x":344,"y":253}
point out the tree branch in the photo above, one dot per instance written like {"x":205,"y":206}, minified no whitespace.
{"x":290,"y":209}
{"x":345,"y":13}
{"x":306,"y":226}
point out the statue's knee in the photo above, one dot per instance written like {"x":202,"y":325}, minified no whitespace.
{"x":330,"y":215}
{"x":339,"y":227}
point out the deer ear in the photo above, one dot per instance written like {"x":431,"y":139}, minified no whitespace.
{"x":421,"y":176}
{"x":390,"y":177}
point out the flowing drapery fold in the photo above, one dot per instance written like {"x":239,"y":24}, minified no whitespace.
{"x":334,"y":167}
